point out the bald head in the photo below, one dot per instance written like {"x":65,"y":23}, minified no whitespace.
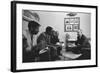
{"x":79,"y":32}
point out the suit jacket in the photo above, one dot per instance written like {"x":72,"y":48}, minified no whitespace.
{"x":82,"y":41}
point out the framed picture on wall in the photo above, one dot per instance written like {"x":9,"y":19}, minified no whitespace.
{"x":73,"y":23}
{"x":69,"y":27}
{"x":39,"y":30}
{"x":67,"y":21}
{"x":75,"y":27}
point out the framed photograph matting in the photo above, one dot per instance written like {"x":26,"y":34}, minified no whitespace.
{"x":40,"y":34}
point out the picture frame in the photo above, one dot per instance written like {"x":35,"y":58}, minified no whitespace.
{"x":73,"y":23}
{"x":16,"y":35}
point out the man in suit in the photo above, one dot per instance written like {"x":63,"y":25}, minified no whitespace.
{"x":81,"y":43}
{"x":49,"y":41}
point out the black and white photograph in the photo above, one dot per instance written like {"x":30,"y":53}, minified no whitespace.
{"x":50,"y":36}
{"x":44,"y":38}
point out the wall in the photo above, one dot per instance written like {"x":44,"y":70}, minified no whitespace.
{"x":56,"y":20}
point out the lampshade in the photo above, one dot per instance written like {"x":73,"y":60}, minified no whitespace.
{"x":72,"y":14}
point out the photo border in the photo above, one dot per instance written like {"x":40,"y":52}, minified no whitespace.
{"x":13,"y":34}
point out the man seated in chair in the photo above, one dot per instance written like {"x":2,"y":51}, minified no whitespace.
{"x":82,"y":43}
{"x":48,"y":51}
